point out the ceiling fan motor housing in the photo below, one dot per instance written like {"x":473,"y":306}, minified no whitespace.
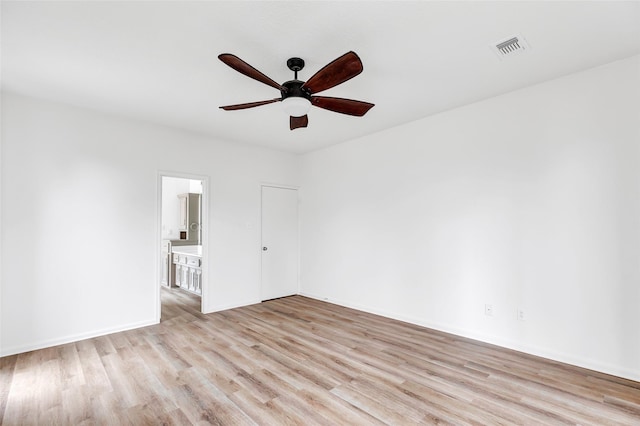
{"x":293,"y":88}
{"x":296,"y":100}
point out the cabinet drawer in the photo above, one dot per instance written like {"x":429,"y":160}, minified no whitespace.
{"x":193,"y":261}
{"x":176,"y":258}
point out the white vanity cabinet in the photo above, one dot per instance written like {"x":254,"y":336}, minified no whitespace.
{"x":188,"y":268}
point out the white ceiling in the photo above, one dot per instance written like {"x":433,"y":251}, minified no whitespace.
{"x":157,"y":61}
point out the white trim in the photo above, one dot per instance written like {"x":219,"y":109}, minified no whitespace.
{"x":228,"y":306}
{"x":72,"y":338}
{"x":547,"y":353}
{"x":278,"y":185}
{"x":299,"y":244}
{"x":299,"y":257}
{"x":204,"y":205}
{"x":158,"y":245}
{"x":1,"y":224}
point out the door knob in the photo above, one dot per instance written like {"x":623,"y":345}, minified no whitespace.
{"x":264,"y":249}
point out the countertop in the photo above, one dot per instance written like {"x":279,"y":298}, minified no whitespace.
{"x":187,"y":250}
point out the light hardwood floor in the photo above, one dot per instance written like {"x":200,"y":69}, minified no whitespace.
{"x":299,"y":361}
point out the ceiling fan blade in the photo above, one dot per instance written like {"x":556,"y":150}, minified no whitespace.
{"x":246,"y":69}
{"x":295,"y":122}
{"x":340,"y":70}
{"x":343,"y":106}
{"x":249,"y":105}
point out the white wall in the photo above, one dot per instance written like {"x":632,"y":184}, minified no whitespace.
{"x":528,"y":200}
{"x":80,"y":225}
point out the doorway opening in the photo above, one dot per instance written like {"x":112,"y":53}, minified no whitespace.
{"x":183,"y":213}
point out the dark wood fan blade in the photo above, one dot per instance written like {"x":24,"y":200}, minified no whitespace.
{"x":340,"y":70}
{"x":246,"y":69}
{"x":295,"y":122}
{"x":343,"y":106}
{"x":249,"y":105}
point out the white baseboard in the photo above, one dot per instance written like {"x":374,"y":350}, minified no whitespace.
{"x":72,"y":338}
{"x":494,"y":340}
{"x":13,"y":350}
{"x":231,"y":306}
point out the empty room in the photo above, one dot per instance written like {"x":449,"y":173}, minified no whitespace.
{"x":315,"y":212}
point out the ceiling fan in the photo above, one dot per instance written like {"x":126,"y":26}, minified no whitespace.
{"x":297,"y":96}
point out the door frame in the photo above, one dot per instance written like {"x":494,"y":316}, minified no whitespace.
{"x":299,"y":216}
{"x":204,"y":236}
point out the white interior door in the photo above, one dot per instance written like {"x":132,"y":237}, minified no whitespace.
{"x":279,"y":242}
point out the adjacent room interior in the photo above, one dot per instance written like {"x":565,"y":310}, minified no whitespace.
{"x":456,"y":239}
{"x":181,"y":236}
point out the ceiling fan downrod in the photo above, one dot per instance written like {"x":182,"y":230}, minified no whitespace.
{"x":295,"y":65}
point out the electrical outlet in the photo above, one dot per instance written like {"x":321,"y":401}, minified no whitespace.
{"x":520,"y":314}
{"x":488,"y":310}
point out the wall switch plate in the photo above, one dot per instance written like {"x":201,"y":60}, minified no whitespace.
{"x":488,"y":310}
{"x":520,"y":314}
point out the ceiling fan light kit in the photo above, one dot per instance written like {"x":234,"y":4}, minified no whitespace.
{"x":298,"y":96}
{"x":296,"y":106}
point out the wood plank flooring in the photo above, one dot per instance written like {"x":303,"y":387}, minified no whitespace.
{"x":299,"y":361}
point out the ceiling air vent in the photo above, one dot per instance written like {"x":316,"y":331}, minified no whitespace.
{"x":510,"y":46}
